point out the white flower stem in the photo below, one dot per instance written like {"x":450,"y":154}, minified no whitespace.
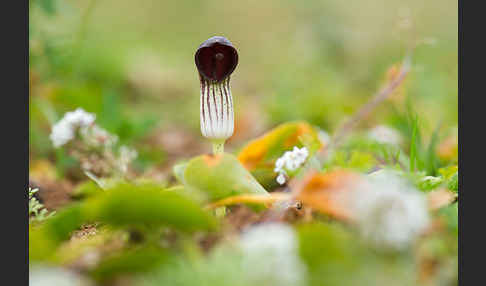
{"x":218,"y":146}
{"x":220,"y":212}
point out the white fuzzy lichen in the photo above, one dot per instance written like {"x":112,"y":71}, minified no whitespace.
{"x":270,"y":255}
{"x":290,"y":161}
{"x":389,"y":211}
{"x":216,"y":109}
{"x":47,"y":276}
{"x":385,"y":135}
{"x":65,"y":129}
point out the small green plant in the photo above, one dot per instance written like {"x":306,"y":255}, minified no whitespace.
{"x":37,"y":211}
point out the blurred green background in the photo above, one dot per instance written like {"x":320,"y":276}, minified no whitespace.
{"x":132,"y":63}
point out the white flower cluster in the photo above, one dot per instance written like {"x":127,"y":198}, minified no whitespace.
{"x":65,"y":130}
{"x":94,"y":147}
{"x":290,"y":161}
{"x":126,"y":156}
{"x":270,"y":255}
{"x":385,"y":135}
{"x":98,"y":137}
{"x":389,"y":211}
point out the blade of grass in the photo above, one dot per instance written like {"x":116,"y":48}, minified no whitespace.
{"x":431,"y":162}
{"x":413,"y":144}
{"x":366,"y":110}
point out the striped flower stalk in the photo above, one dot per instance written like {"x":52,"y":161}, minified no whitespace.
{"x":216,"y":59}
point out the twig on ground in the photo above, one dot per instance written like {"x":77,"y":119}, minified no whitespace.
{"x":362,"y":113}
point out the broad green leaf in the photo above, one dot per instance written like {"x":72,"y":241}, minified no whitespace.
{"x":123,"y":205}
{"x":41,"y":245}
{"x":335,"y":256}
{"x":178,"y":170}
{"x":130,"y":261}
{"x":329,"y":253}
{"x":44,"y":239}
{"x":65,"y":221}
{"x":86,"y":189}
{"x":71,"y":251}
{"x":259,"y":155}
{"x":220,"y":176}
{"x":129,"y":204}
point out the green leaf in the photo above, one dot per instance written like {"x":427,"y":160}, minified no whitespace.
{"x":131,"y":261}
{"x":128,"y":204}
{"x":220,"y":176}
{"x":44,"y":239}
{"x":41,"y":245}
{"x":179,"y":170}
{"x":329,"y":252}
{"x":125,"y":205}
{"x":323,"y":243}
{"x":432,"y":160}
{"x":86,"y":189}
{"x":428,"y":183}
{"x":65,"y":221}
{"x":453,"y":182}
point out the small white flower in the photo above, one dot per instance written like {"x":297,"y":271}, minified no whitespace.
{"x":79,"y":117}
{"x":279,"y":164}
{"x":61,"y":133}
{"x":281,"y":179}
{"x":290,"y":161}
{"x":300,"y":155}
{"x":270,"y":255}
{"x":385,"y":135}
{"x":65,"y":129}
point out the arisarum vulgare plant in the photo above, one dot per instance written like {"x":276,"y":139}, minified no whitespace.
{"x":216,"y":59}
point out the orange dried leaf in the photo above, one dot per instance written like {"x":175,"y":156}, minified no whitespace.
{"x":440,"y":198}
{"x":284,"y":137}
{"x":324,"y":192}
{"x":266,"y":200}
{"x":447,"y":150}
